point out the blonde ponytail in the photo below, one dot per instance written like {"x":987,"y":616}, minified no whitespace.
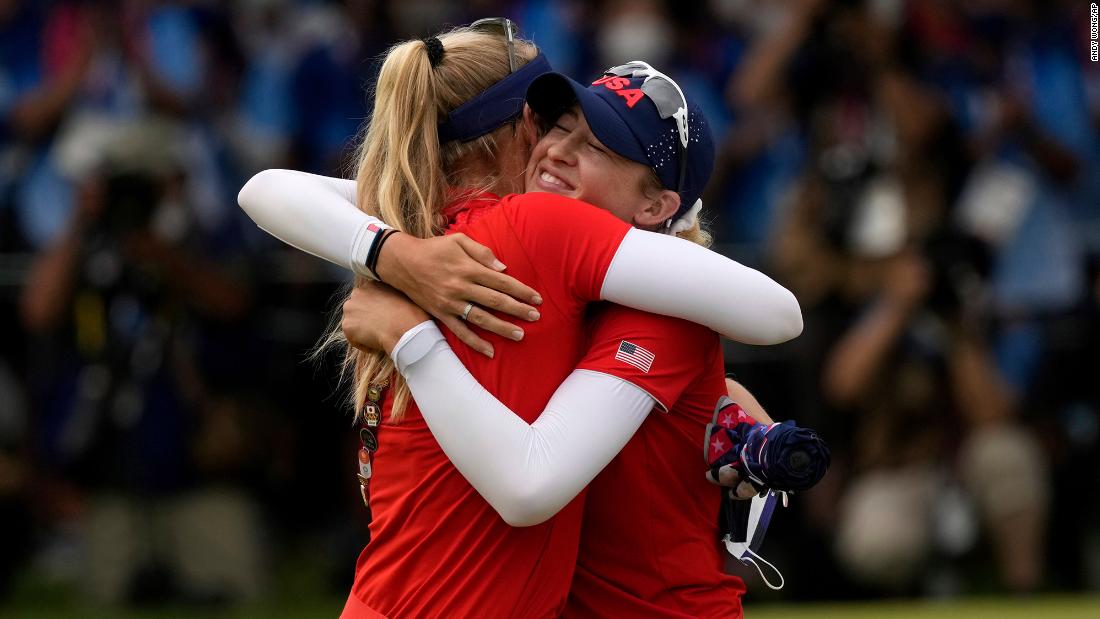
{"x":400,"y":177}
{"x":696,"y":234}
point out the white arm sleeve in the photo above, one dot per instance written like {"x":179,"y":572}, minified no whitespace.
{"x":316,"y":214}
{"x":665,"y":275}
{"x":527,"y":472}
{"x":651,"y":272}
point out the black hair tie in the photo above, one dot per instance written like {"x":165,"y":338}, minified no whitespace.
{"x":435,"y":50}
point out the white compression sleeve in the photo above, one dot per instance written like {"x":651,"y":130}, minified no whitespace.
{"x":652,"y":272}
{"x":315,"y":214}
{"x":527,"y":472}
{"x":666,"y":275}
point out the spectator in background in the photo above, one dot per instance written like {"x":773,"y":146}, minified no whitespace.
{"x":36,"y":92}
{"x":84,"y":69}
{"x":873,"y":229}
{"x":15,"y":515}
{"x":861,"y":134}
{"x":328,"y":85}
{"x":261,"y":131}
{"x":117,"y":305}
{"x":932,"y":413}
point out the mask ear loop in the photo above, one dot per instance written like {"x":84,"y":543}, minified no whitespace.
{"x":752,"y":559}
{"x":685,"y":221}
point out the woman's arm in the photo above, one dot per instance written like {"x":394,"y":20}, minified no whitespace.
{"x":527,"y":472}
{"x":649,"y":271}
{"x":661,"y":274}
{"x":317,"y":214}
{"x":738,"y":393}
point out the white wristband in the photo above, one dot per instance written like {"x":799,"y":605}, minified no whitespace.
{"x":366,"y":236}
{"x":414,"y":344}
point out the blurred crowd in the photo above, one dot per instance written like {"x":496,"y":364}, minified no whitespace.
{"x":923,"y":174}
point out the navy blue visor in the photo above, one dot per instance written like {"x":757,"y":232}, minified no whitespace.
{"x":496,"y":105}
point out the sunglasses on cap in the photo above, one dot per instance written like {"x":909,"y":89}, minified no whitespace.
{"x":669,"y":100}
{"x":502,"y":26}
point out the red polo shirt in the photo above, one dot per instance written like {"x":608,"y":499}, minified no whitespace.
{"x":438,"y":549}
{"x":649,"y":546}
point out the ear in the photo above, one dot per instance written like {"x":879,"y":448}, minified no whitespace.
{"x":528,"y":128}
{"x":659,"y":210}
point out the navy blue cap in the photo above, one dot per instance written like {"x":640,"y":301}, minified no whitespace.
{"x":494,"y":106}
{"x":628,"y":123}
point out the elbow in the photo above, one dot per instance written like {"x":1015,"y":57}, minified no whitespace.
{"x":36,"y":317}
{"x":521,"y":517}
{"x":250,"y":196}
{"x":792,"y":324}
{"x":840,"y":386}
{"x":839,"y":392}
{"x":526,"y":506}
{"x":786,"y":318}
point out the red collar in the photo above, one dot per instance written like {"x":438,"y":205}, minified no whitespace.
{"x":464,"y":207}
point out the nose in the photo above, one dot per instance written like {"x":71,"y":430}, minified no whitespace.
{"x":564,"y":150}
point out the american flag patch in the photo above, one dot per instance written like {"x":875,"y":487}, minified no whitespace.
{"x":635,"y":355}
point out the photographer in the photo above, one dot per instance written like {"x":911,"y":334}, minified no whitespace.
{"x":128,"y":424}
{"x":933,"y":414}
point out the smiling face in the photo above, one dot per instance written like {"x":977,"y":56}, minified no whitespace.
{"x":570,"y":161}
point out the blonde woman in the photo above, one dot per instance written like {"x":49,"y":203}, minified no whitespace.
{"x":438,"y":548}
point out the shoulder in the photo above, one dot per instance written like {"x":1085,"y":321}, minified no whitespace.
{"x":619,"y":319}
{"x":551,"y":209}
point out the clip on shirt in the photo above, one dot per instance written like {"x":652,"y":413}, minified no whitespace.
{"x":372,"y":418}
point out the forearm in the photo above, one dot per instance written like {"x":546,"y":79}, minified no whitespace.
{"x":664,"y":275}
{"x":315,"y":214}
{"x":738,"y":393}
{"x":983,"y":394}
{"x":757,"y":80}
{"x":527,"y":472}
{"x":50,"y":282}
{"x":858,"y":355}
{"x":37,"y":113}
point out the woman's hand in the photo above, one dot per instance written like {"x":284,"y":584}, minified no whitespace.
{"x":376,"y":316}
{"x":730,"y":478}
{"x":444,"y":274}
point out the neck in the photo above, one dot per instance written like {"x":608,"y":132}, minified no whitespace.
{"x":505,"y":172}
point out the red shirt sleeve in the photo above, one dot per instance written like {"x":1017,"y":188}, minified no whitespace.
{"x":569,"y":238}
{"x":662,"y":356}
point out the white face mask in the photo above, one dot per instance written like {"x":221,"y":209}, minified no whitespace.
{"x":759,"y":514}
{"x":636,"y":36}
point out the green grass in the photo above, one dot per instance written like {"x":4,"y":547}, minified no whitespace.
{"x":297,"y":592}
{"x":1048,"y":607}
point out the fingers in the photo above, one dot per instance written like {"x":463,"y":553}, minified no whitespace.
{"x":479,"y":252}
{"x":498,"y":281}
{"x":467,"y":336}
{"x":509,"y":286}
{"x":491,"y":299}
{"x":727,"y":476}
{"x":730,"y":478}
{"x":487,"y":321}
{"x":744,"y":490}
